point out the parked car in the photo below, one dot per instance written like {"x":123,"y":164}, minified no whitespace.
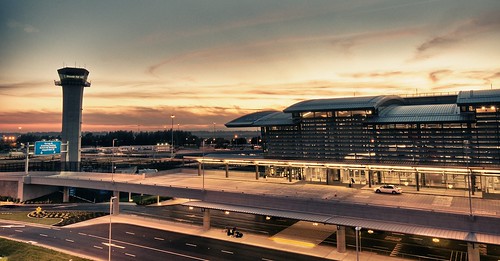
{"x":393,"y":189}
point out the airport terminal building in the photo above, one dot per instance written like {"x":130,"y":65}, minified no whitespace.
{"x":427,"y":141}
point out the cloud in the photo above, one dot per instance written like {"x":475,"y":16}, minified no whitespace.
{"x":27,"y":28}
{"x":466,"y":29}
{"x":435,"y":76}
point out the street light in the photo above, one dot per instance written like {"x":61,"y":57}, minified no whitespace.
{"x":113,"y":159}
{"x":203,"y":163}
{"x":358,"y":245}
{"x":110,"y":212}
{"x":172,"y":130}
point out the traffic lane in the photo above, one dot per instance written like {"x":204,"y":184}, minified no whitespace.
{"x":47,"y":236}
{"x":191,"y":245}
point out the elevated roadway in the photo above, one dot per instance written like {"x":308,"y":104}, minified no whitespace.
{"x":473,"y":220}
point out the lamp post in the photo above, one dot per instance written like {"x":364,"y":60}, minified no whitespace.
{"x":469,"y":175}
{"x":358,"y":243}
{"x":113,"y":159}
{"x":203,"y":163}
{"x":172,"y":131}
{"x":110,"y":212}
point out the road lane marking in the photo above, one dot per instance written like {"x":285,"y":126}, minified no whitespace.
{"x":130,"y":233}
{"x":17,"y":230}
{"x":267,"y":259}
{"x":227,"y":252}
{"x":191,"y":245}
{"x":113,"y":245}
{"x":82,"y":234}
{"x":11,"y":226}
{"x":69,"y":240}
{"x":127,"y":254}
{"x":154,"y":249}
{"x":159,"y":238}
{"x":100,"y":247}
{"x":43,"y":235}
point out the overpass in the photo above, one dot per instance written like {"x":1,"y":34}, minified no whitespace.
{"x":472,"y":220}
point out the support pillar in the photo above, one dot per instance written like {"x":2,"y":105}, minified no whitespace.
{"x":116,"y":203}
{"x":158,"y":200}
{"x":65,"y":194}
{"x":473,"y":251}
{"x":227,"y":170}
{"x":130,"y":197}
{"x":289,"y":172}
{"x":341,"y":245}
{"x":370,"y":178}
{"x":206,"y":218}
{"x":417,"y":179}
{"x":199,"y":168}
{"x":257,"y":171}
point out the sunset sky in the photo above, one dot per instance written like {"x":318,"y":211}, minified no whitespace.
{"x":209,"y":61}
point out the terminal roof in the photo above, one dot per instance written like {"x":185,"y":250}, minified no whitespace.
{"x":349,"y":103}
{"x":478,"y":97}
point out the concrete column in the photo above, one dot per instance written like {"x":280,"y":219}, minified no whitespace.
{"x":473,"y":251}
{"x":257,"y":171}
{"x":158,"y":200}
{"x":116,"y":203}
{"x":227,"y":170}
{"x":65,"y":194}
{"x":341,"y":246}
{"x":370,"y":178}
{"x":289,"y":172}
{"x":130,"y":197}
{"x":417,"y":180}
{"x":206,"y":218}
{"x":199,"y":168}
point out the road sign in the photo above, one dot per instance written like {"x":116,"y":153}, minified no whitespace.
{"x":47,"y":147}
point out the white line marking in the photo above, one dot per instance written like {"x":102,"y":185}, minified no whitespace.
{"x":69,"y":240}
{"x":100,"y":247}
{"x":159,"y":238}
{"x":192,"y":245}
{"x":227,"y":252}
{"x":43,"y":235}
{"x":17,"y":230}
{"x":82,"y":234}
{"x":266,"y":259}
{"x":113,"y":245}
{"x":155,"y":249}
{"x":130,"y":233}
{"x":416,"y":238}
{"x":129,"y":254}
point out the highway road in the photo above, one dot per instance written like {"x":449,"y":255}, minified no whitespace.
{"x":132,"y":242}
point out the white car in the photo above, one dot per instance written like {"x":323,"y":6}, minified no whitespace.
{"x":388,"y":189}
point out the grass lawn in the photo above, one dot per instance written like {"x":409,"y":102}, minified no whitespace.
{"x":23,"y":216}
{"x":13,"y":250}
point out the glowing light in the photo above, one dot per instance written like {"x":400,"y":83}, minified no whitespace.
{"x":226,"y":212}
{"x":191,"y":208}
{"x":435,"y":240}
{"x":370,"y":231}
{"x":268,"y":218}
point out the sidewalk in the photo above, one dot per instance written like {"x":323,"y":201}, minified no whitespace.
{"x":248,"y":238}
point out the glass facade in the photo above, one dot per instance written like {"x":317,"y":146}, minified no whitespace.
{"x":379,"y":131}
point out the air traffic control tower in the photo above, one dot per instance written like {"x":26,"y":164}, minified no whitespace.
{"x":72,"y":80}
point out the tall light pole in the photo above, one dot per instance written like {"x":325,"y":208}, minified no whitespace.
{"x":113,"y":159}
{"x":110,"y":213}
{"x":358,"y":245}
{"x":203,"y":163}
{"x":172,"y":131}
{"x":469,"y":175}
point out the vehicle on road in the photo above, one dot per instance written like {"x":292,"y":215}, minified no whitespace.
{"x":393,"y":189}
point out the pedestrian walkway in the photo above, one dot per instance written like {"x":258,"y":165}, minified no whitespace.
{"x":316,"y":250}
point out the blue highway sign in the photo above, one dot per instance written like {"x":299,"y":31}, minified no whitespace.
{"x":47,"y":147}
